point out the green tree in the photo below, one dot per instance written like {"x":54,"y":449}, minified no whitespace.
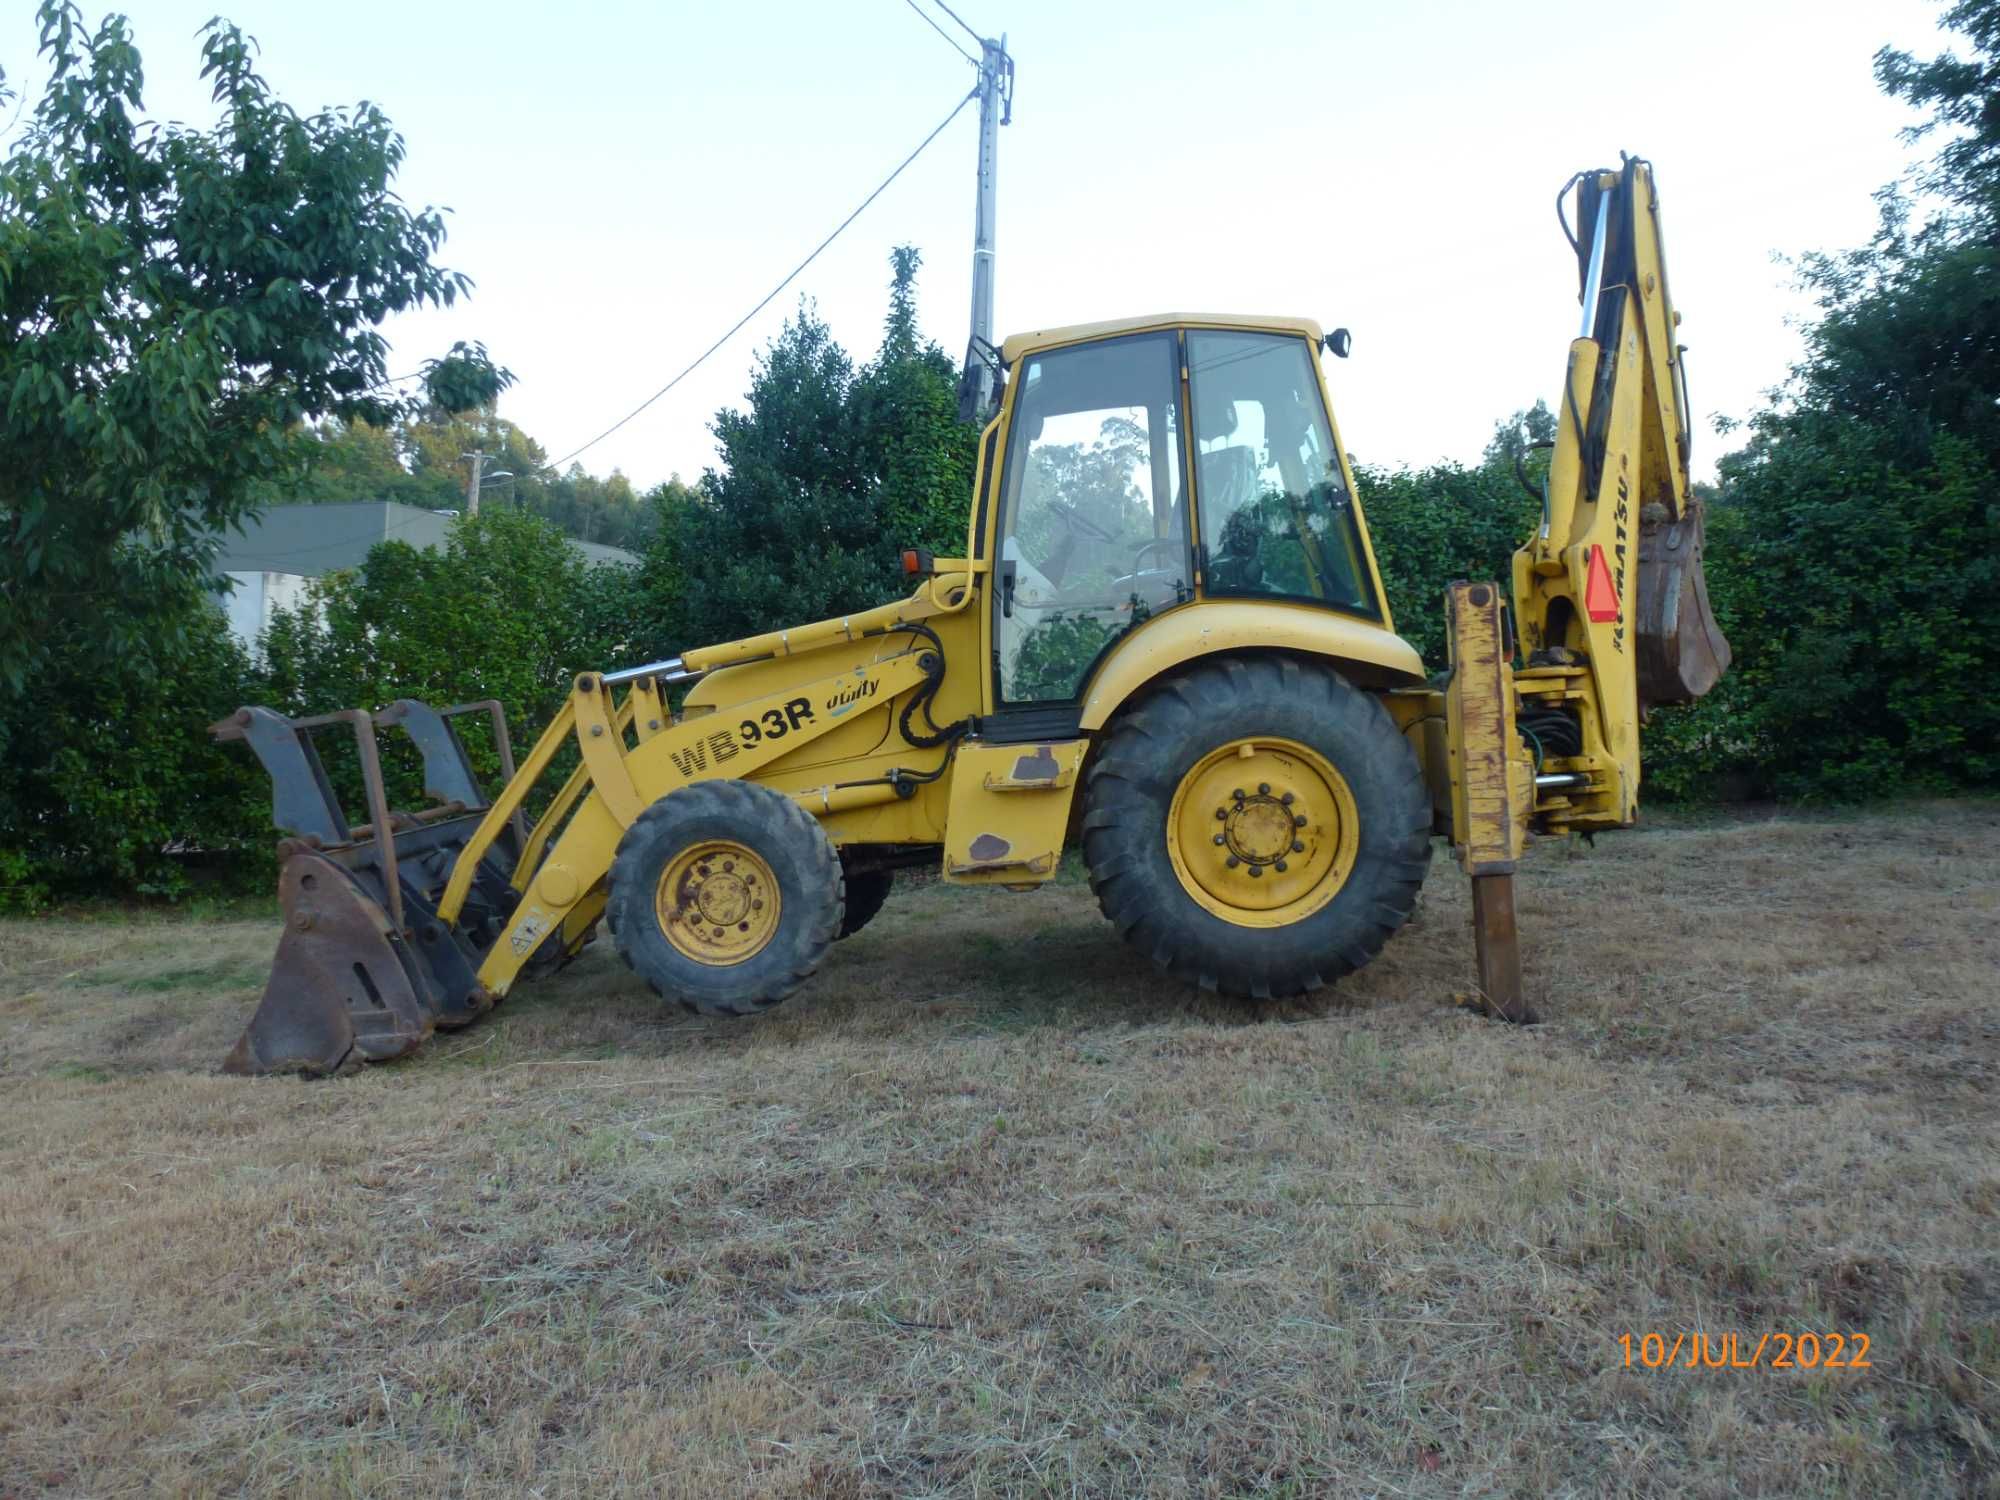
{"x":1432,"y":526}
{"x":109,"y":782}
{"x":824,"y":475}
{"x":917,"y":456}
{"x":176,"y":302}
{"x":422,"y":460}
{"x":1521,"y":434}
{"x":499,"y":612}
{"x":1856,"y":541}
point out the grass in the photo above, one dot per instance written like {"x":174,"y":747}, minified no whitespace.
{"x":991,"y":1209}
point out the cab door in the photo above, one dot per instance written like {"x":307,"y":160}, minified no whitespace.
{"x":1093,"y":535}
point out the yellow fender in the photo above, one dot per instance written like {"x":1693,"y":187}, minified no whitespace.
{"x":1183,"y":635}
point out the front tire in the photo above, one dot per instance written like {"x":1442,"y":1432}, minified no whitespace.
{"x":724,"y":896}
{"x":1257,"y":826}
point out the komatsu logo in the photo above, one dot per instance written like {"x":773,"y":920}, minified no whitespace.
{"x":1622,"y":523}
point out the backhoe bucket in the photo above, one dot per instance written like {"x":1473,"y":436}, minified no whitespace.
{"x":365,"y":971}
{"x":1681,"y":650}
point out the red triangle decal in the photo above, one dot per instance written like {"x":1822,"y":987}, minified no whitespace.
{"x":1600,"y":599}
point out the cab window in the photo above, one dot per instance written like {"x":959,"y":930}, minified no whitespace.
{"x":1093,"y":532}
{"x":1276,"y":516}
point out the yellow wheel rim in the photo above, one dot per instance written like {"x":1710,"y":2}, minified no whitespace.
{"x":718,"y":903}
{"x":1262,"y":832}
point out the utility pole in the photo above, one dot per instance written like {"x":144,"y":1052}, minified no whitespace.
{"x":472,"y":483}
{"x":996,"y":108}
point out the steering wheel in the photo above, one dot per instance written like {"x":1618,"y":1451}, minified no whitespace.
{"x":1073,"y":519}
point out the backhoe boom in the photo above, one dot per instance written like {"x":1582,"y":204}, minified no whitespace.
{"x":1608,"y":596}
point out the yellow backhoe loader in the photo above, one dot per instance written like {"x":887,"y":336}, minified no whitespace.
{"x":1167,"y":643}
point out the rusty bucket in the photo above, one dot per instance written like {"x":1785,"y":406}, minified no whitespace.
{"x":366,"y":970}
{"x":1682,"y":652}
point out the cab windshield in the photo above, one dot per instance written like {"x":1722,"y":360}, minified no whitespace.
{"x":1276,"y":515}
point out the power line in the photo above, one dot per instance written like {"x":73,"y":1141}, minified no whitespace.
{"x":941,"y":32}
{"x":961,"y":21}
{"x":736,"y":327}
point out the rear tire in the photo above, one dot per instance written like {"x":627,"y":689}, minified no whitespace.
{"x":724,"y":896}
{"x":867,"y":890}
{"x":1189,"y":836}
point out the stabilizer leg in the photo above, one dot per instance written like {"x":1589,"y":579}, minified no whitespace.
{"x":1492,"y":787}
{"x":1498,"y":942}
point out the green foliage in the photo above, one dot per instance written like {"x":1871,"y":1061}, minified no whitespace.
{"x":1433,"y":526}
{"x":1856,"y":542}
{"x":107,"y":772}
{"x":176,"y":302}
{"x":506,"y":610}
{"x":1959,"y":93}
{"x":1055,"y":655}
{"x":421,"y":461}
{"x":1519,"y":435}
{"x":1855,"y":589}
{"x":827,"y":473}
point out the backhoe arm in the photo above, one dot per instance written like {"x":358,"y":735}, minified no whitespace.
{"x":1608,"y":599}
{"x":1611,"y":582}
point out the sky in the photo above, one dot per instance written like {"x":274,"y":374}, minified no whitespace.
{"x":626,"y":180}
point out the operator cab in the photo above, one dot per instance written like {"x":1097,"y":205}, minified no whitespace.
{"x":1099,"y":527}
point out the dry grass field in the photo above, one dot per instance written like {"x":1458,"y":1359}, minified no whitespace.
{"x":990,"y":1209}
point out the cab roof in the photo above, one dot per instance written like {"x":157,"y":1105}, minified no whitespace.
{"x":1047,"y":338}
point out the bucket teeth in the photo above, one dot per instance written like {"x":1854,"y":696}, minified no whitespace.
{"x":340,"y":989}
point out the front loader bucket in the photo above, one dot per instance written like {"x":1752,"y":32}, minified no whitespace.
{"x":340,"y":984}
{"x":1681,"y":650}
{"x":366,"y":970}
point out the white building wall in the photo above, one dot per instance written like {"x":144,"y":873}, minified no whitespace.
{"x":244,"y":605}
{"x":258,"y":596}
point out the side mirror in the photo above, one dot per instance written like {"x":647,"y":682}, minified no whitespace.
{"x":1339,"y":343}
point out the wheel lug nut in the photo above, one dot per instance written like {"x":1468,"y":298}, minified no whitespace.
{"x":1297,"y":847}
{"x":1256,"y":871}
{"x":1222,"y":812}
{"x":728,"y":865}
{"x":1237,"y":794}
{"x":1280,"y":867}
{"x":745,"y":926}
{"x":1263,"y":788}
{"x":1233,"y":862}
{"x":1298,"y":822}
{"x":1218,"y":838}
{"x":1286,"y":799}
{"x":756,"y":906}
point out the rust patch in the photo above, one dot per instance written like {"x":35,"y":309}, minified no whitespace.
{"x":1041,"y":766}
{"x":988,"y":848}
